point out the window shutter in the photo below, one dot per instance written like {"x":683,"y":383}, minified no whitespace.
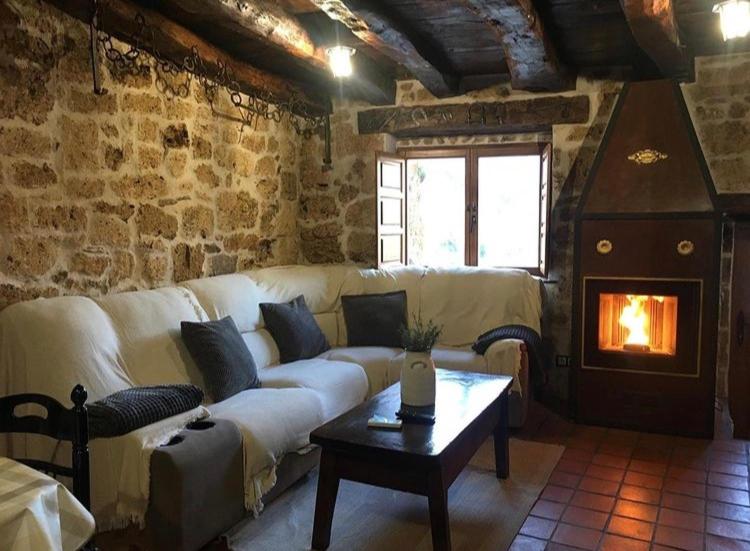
{"x":545,"y":180}
{"x":391,"y":198}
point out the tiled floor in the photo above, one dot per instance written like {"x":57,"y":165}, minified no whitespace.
{"x":629,"y":491}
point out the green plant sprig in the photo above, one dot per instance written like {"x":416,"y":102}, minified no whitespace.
{"x":420,"y":336}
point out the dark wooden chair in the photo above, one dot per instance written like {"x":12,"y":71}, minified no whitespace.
{"x":59,"y":423}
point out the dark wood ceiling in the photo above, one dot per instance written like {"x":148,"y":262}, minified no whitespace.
{"x":452,"y":45}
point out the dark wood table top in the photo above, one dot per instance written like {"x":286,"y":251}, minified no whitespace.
{"x":461,"y":397}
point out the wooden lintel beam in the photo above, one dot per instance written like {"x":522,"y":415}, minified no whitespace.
{"x":531,"y":115}
{"x":654,"y":28}
{"x":529,"y":52}
{"x":175,"y":42}
{"x":385,"y":36}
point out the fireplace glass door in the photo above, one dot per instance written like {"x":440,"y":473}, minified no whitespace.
{"x":642,"y":325}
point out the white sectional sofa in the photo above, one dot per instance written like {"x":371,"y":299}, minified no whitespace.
{"x":132,"y":339}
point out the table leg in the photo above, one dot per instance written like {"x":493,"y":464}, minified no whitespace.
{"x":502,"y":456}
{"x":437,"y":497}
{"x":328,"y":488}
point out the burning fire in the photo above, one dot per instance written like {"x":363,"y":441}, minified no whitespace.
{"x":635,"y":321}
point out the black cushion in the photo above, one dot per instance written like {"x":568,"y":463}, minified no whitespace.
{"x":294,"y":329}
{"x":222,"y":357}
{"x":133,"y":408}
{"x":375,"y":320}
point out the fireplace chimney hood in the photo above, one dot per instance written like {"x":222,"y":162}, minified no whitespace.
{"x":650,"y":160}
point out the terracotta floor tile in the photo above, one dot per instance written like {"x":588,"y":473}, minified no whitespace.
{"x":607,"y":460}
{"x":587,"y":518}
{"x":548,"y":509}
{"x":599,"y":486}
{"x":687,"y":475}
{"x":681,"y":519}
{"x":610,"y":542}
{"x":631,"y":528}
{"x":577,"y":455}
{"x":729,"y":457}
{"x":728,"y":511}
{"x":689,"y":461}
{"x":557,"y":493}
{"x":585,"y":538}
{"x":605,"y":473}
{"x":684,"y":503}
{"x":642,"y":495}
{"x":718,"y":543}
{"x":738,"y":497}
{"x":728,"y":528}
{"x":676,"y":537}
{"x":622,"y":435}
{"x":571,"y":466}
{"x":651,"y":454}
{"x":554,"y":546}
{"x":612,"y":448}
{"x":536,"y":527}
{"x":525,"y":543}
{"x":728,"y":481}
{"x":645,"y":480}
{"x":584,"y":444}
{"x":593,"y":501}
{"x":647,"y":467}
{"x":686,"y":488}
{"x":728,"y":468}
{"x":633,"y":509}
{"x":561,"y":478}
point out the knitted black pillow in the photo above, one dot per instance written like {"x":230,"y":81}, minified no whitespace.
{"x":294,"y":329}
{"x":375,"y":320}
{"x":222,"y":357}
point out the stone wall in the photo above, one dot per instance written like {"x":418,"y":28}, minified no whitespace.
{"x":129,"y":190}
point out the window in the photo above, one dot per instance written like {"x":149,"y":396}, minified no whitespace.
{"x":484,"y":206}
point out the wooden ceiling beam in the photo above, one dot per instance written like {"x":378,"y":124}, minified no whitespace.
{"x":267,"y":22}
{"x":175,"y":42}
{"x":529,"y":52}
{"x":384,"y":35}
{"x":654,"y":27}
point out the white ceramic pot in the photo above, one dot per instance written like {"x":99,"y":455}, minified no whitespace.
{"x":418,"y":379}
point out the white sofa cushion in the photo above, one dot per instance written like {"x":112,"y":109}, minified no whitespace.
{"x":262,"y":347}
{"x":273,"y":422}
{"x":462,"y":359}
{"x":339,"y":385}
{"x":233,"y":295}
{"x":147,"y":324}
{"x":375,"y":360}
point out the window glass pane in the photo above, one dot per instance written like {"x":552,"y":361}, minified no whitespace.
{"x":436,"y":203}
{"x":508,"y":189}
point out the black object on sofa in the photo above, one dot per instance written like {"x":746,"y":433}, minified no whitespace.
{"x":197,"y":486}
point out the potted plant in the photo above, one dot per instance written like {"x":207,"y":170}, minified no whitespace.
{"x":418,"y":369}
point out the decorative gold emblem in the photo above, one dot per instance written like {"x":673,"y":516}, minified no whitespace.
{"x":647,"y":156}
{"x":604,"y":246}
{"x":685,"y":248}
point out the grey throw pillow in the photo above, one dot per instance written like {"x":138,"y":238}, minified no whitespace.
{"x":375,"y":320}
{"x":222,"y":357}
{"x":294,"y":329}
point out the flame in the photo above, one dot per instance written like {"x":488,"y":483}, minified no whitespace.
{"x":635,"y":320}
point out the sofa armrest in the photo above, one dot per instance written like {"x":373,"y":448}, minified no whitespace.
{"x":508,"y":357}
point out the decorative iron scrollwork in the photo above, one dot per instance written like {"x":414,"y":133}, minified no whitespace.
{"x":647,"y":157}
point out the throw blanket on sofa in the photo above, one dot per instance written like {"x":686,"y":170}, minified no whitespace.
{"x":133,"y":408}
{"x":520,"y":332}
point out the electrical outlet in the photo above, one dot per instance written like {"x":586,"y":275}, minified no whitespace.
{"x":563,"y":361}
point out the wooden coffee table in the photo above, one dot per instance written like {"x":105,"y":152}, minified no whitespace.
{"x":420,"y":459}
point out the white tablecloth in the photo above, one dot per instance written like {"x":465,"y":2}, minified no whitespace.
{"x":38,"y":513}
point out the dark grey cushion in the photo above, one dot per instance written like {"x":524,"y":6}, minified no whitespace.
{"x":375,"y":320}
{"x":133,"y":408}
{"x":222,"y":357}
{"x":294,"y":329}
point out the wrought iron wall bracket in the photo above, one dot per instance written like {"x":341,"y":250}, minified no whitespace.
{"x":99,"y":90}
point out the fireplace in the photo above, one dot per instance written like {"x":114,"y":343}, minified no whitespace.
{"x":647,"y":272}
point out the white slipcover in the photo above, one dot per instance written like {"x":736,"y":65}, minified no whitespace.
{"x":130,"y":339}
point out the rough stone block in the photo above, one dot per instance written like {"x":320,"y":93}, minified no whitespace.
{"x":24,"y":142}
{"x":154,"y":221}
{"x":187,"y":261}
{"x":61,"y":218}
{"x":90,"y":263}
{"x":143,"y":187}
{"x":236,"y":210}
{"x":109,"y":231}
{"x":31,"y":256}
{"x":198,"y":221}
